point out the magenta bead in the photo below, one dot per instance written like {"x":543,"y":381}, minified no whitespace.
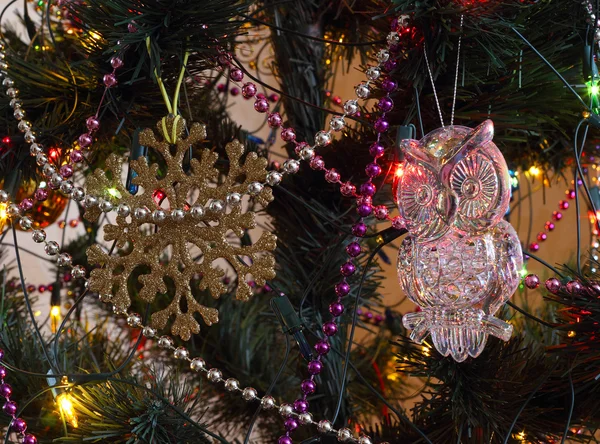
{"x":131,"y":27}
{"x":542,"y":236}
{"x":85,"y":140}
{"x":332,"y":176}
{"x":390,"y":65}
{"x":76,"y":156}
{"x":92,"y":123}
{"x":532,"y":281}
{"x":288,"y":134}
{"x":376,"y":150}
{"x":534,"y":246}
{"x":290,"y":424}
{"x":261,"y":105}
{"x":29,"y":439}
{"x":381,"y":212}
{"x":317,"y":163}
{"x":2,"y":372}
{"x":373,"y":170}
{"x":284,"y":439}
{"x":322,"y":347}
{"x":388,"y":85}
{"x":353,"y":249}
{"x":26,"y":204}
{"x":563,"y":204}
{"x":342,"y":289}
{"x":381,"y":125}
{"x":10,"y":408}
{"x":1,"y":354}
{"x":236,"y":74}
{"x":359,"y":229}
{"x":273,"y":97}
{"x":224,"y":59}
{"x":364,"y":210}
{"x":574,"y":287}
{"x":109,"y":80}
{"x":336,"y":308}
{"x":274,"y":120}
{"x":5,"y":390}
{"x":553,"y":285}
{"x":315,"y":367}
{"x":260,"y":96}
{"x":66,"y":170}
{"x":595,"y":289}
{"x":19,"y":425}
{"x":571,"y":194}
{"x":116,"y":62}
{"x":368,"y":189}
{"x":556,"y":215}
{"x":550,"y":226}
{"x":394,"y":24}
{"x":385,"y":104}
{"x":329,"y":328}
{"x":347,"y":189}
{"x":221,"y":87}
{"x":378,"y":319}
{"x":300,"y":146}
{"x":347,"y":269}
{"x":301,"y":405}
{"x":308,"y":386}
{"x":235,"y":91}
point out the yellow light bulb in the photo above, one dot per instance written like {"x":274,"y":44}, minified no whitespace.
{"x":54,"y":318}
{"x":55,"y":311}
{"x":3,"y":212}
{"x":521,"y":435}
{"x":66,"y":407}
{"x":534,"y":171}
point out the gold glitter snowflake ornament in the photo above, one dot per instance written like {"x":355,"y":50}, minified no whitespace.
{"x":184,"y":216}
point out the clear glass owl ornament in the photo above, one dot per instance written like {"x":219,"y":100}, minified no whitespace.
{"x":461,"y":261}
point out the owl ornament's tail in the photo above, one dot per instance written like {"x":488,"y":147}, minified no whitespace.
{"x":457,"y":332}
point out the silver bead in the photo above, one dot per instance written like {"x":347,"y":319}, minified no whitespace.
{"x":351,"y":107}
{"x":197,"y":212}
{"x":24,"y":126}
{"x":15,"y":103}
{"x":267,"y":402}
{"x":344,"y":435}
{"x":165,"y":342}
{"x":35,"y":149}
{"x":13,"y":210}
{"x":291,"y":166}
{"x":214,"y":375}
{"x":323,"y":138}
{"x":91,"y":201}
{"x":393,"y":38}
{"x":38,"y":236}
{"x":216,"y":206}
{"x":305,"y":418}
{"x":373,"y":73}
{"x":134,"y":320}
{"x":148,"y":332}
{"x":41,"y":159}
{"x":362,"y":91}
{"x":3,"y":196}
{"x":383,"y":56}
{"x":140,"y":213}
{"x":64,"y":260}
{"x":177,"y":214}
{"x":29,"y":137}
{"x":25,"y":223}
{"x":286,"y":410}
{"x":3,"y":65}
{"x":78,"y":272}
{"x":48,"y":170}
{"x":324,"y":426}
{"x":364,"y":439}
{"x":274,"y":178}
{"x":106,"y":206}
{"x":8,"y":82}
{"x":123,"y":210}
{"x":255,"y":188}
{"x":51,"y":248}
{"x":234,"y":199}
{"x":249,"y":394}
{"x":307,"y":153}
{"x":78,"y":194}
{"x":159,"y":216}
{"x":12,"y":92}
{"x":66,"y":186}
{"x":56,"y":179}
{"x":232,"y":385}
{"x":181,"y":353}
{"x":337,"y":123}
{"x":197,"y":364}
{"x":19,"y":114}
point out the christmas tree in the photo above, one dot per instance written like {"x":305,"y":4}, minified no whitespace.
{"x":202,"y":203}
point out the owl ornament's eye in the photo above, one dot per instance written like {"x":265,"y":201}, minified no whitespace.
{"x":461,"y":261}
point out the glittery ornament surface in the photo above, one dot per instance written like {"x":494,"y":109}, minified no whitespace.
{"x":180,"y":239}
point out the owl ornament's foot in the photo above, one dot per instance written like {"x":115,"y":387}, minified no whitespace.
{"x":460,"y":332}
